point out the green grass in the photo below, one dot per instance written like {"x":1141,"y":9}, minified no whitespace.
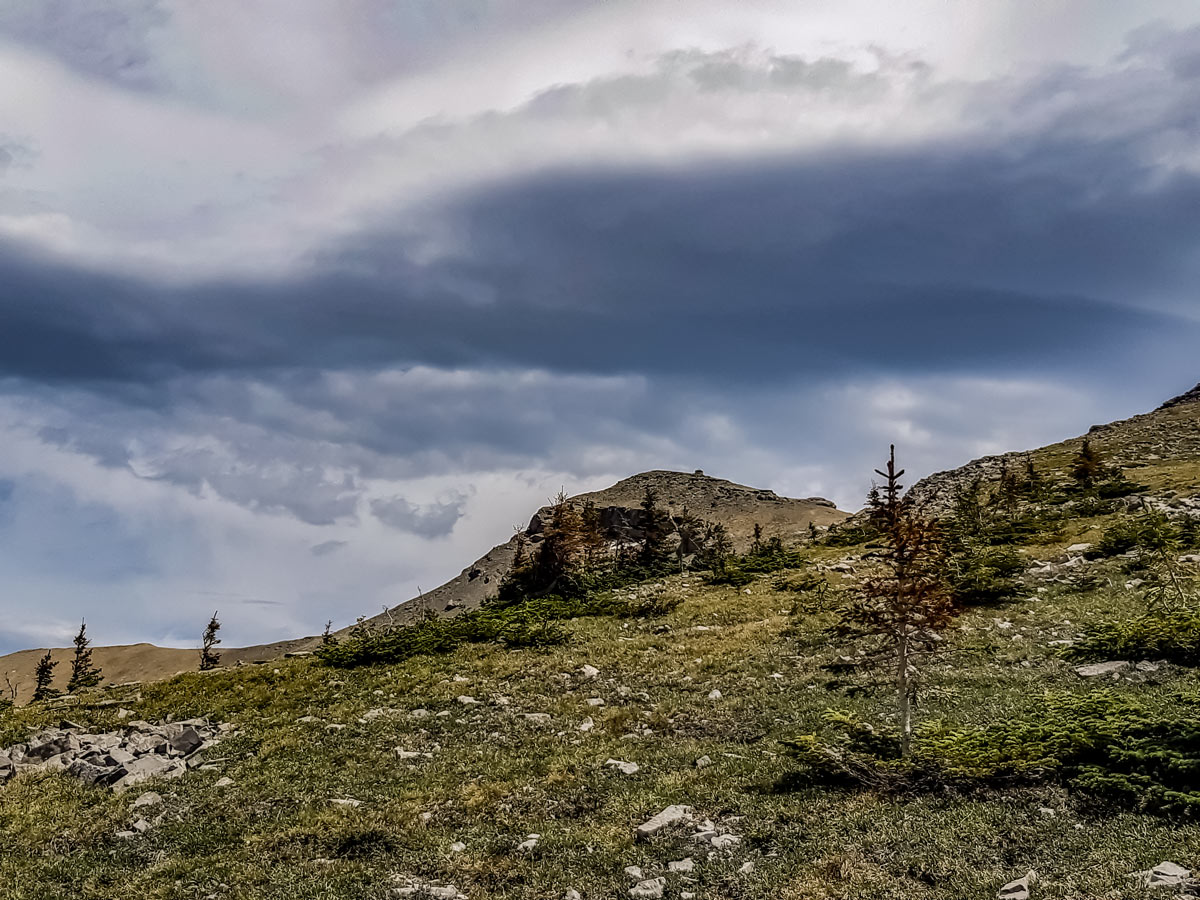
{"x":495,"y":777}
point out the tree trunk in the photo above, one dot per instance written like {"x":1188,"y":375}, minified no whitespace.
{"x":904,"y":707}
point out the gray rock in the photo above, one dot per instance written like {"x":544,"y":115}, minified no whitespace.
{"x":187,"y":741}
{"x":147,"y":767}
{"x":1165,"y":874}
{"x":142,"y":743}
{"x":1101,"y":669}
{"x":1019,"y":889}
{"x":625,"y":768}
{"x":669,"y":816}
{"x":149,"y":798}
{"x":89,"y":773}
{"x":651,"y":889}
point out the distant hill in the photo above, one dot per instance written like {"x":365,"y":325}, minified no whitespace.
{"x":736,"y":506}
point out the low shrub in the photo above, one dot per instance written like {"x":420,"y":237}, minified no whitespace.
{"x":985,"y":576}
{"x":1170,"y":634}
{"x":521,"y":624}
{"x":1105,"y":746}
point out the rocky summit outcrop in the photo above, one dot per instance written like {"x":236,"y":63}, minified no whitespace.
{"x":117,"y":759}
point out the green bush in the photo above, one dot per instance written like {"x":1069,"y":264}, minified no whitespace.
{"x":517,"y":624}
{"x":762,"y":559}
{"x":1171,"y":635}
{"x":1102,"y":745}
{"x":985,"y":576}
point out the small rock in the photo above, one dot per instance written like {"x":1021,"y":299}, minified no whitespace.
{"x":529,"y":843}
{"x":635,"y":873}
{"x":1146,"y":666}
{"x":725,"y":841}
{"x":589,"y":671}
{"x":458,"y":847}
{"x":1079,"y":548}
{"x":626,"y":768}
{"x":223,"y":782}
{"x":714,"y":694}
{"x":681,"y":865}
{"x":594,"y":701}
{"x":587,"y":724}
{"x":703,"y":762}
{"x":669,"y":816}
{"x":572,"y":894}
{"x":141,"y":826}
{"x":1100,"y":669}
{"x":1019,"y":889}
{"x":1165,"y":874}
{"x":348,"y":802}
{"x":149,"y":798}
{"x":747,"y":867}
{"x":467,"y":701}
{"x":651,"y":889}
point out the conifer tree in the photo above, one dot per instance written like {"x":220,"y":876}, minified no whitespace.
{"x":656,"y":525}
{"x":83,"y":673}
{"x":1088,"y":465}
{"x":593,"y":541}
{"x":560,"y":552}
{"x":210,"y":658}
{"x":43,"y":676}
{"x":756,"y":544}
{"x":902,"y":609}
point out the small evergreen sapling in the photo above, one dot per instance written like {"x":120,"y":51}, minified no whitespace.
{"x":901,"y":610}
{"x":43,"y":676}
{"x":1088,"y":466}
{"x":83,"y":673}
{"x":210,"y":658}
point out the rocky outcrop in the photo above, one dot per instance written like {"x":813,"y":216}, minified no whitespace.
{"x":116,"y":759}
{"x":738,"y":507}
{"x":1192,"y":396}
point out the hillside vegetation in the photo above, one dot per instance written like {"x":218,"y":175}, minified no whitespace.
{"x":523,"y":769}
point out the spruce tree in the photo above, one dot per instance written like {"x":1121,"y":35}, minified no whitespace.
{"x":83,"y":673}
{"x":1088,"y":465}
{"x":209,"y":658}
{"x":902,"y":609}
{"x":43,"y":676}
{"x":656,"y":526}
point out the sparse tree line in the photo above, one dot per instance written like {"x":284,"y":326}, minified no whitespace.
{"x":85,"y":674}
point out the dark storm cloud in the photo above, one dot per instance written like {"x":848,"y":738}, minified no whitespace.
{"x":906,"y":260}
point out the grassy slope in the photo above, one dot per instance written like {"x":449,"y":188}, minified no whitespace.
{"x":495,"y":777}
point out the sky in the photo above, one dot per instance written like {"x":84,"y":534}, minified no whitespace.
{"x":305,"y":305}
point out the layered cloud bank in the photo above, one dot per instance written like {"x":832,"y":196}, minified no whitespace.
{"x":302,"y":304}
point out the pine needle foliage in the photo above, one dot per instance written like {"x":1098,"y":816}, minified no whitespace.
{"x":83,"y":673}
{"x":209,"y":657}
{"x":900,"y":613}
{"x":43,"y":678}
